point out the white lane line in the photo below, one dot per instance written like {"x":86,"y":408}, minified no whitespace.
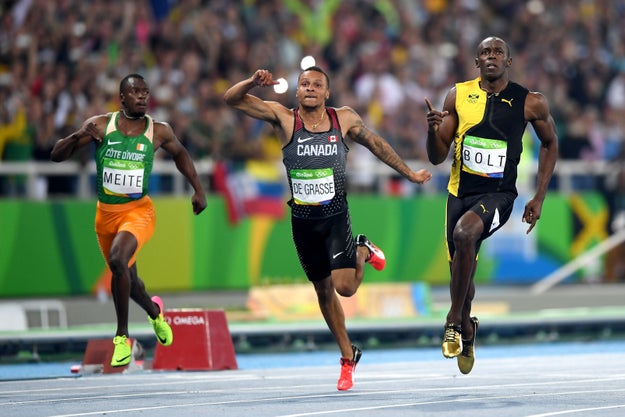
{"x":578,"y":410}
{"x":286,"y":388}
{"x":335,"y":411}
{"x":458,"y":400}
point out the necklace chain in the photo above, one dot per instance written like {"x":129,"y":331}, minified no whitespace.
{"x":313,"y":126}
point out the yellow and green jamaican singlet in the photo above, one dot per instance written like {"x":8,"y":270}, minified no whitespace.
{"x":124,"y":163}
{"x":488,"y":140}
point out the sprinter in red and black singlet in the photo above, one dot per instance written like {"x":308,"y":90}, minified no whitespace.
{"x":485,"y":118}
{"x":315,"y":166}
{"x":315,"y":158}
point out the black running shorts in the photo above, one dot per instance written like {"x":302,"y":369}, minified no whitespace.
{"x":324,"y":245}
{"x":494,"y":209}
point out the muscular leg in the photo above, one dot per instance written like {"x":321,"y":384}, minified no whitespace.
{"x":467,"y":324}
{"x":347,"y":280}
{"x":466,"y":234}
{"x":139,"y":295}
{"x":122,"y":249}
{"x":333,"y":314}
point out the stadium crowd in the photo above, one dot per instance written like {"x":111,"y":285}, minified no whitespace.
{"x":61,"y":61}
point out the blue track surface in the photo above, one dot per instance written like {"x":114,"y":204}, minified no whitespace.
{"x":548,"y":379}
{"x":324,"y":358}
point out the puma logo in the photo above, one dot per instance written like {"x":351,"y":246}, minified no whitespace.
{"x":495,"y":224}
{"x":508,"y":102}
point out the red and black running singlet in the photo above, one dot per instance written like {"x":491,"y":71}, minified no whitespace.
{"x":315,"y":167}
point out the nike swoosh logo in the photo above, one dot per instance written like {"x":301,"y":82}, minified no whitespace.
{"x":114,"y":143}
{"x":302,"y":140}
{"x":337,"y":254}
{"x":162,"y":340}
{"x":120,"y":361}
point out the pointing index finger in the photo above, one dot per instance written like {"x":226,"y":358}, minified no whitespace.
{"x":427,"y":102}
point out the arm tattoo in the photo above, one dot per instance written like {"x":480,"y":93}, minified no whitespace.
{"x":380,"y":148}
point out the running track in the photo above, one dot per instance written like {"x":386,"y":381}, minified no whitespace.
{"x":514,"y":380}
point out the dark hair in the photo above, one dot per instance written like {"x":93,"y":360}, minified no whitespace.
{"x":318,"y":69}
{"x":123,"y":84}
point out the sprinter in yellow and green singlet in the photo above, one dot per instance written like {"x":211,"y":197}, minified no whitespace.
{"x":485,"y":119}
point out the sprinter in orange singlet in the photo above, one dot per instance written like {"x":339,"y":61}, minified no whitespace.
{"x":125,"y":143}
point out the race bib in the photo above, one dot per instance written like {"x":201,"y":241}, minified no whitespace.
{"x":122,"y":177}
{"x":312,"y":186}
{"x":484,"y":157}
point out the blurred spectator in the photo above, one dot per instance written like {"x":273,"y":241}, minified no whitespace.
{"x":383,"y":56}
{"x":15,"y":142}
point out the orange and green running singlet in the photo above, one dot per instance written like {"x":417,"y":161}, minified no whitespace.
{"x":124,"y":163}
